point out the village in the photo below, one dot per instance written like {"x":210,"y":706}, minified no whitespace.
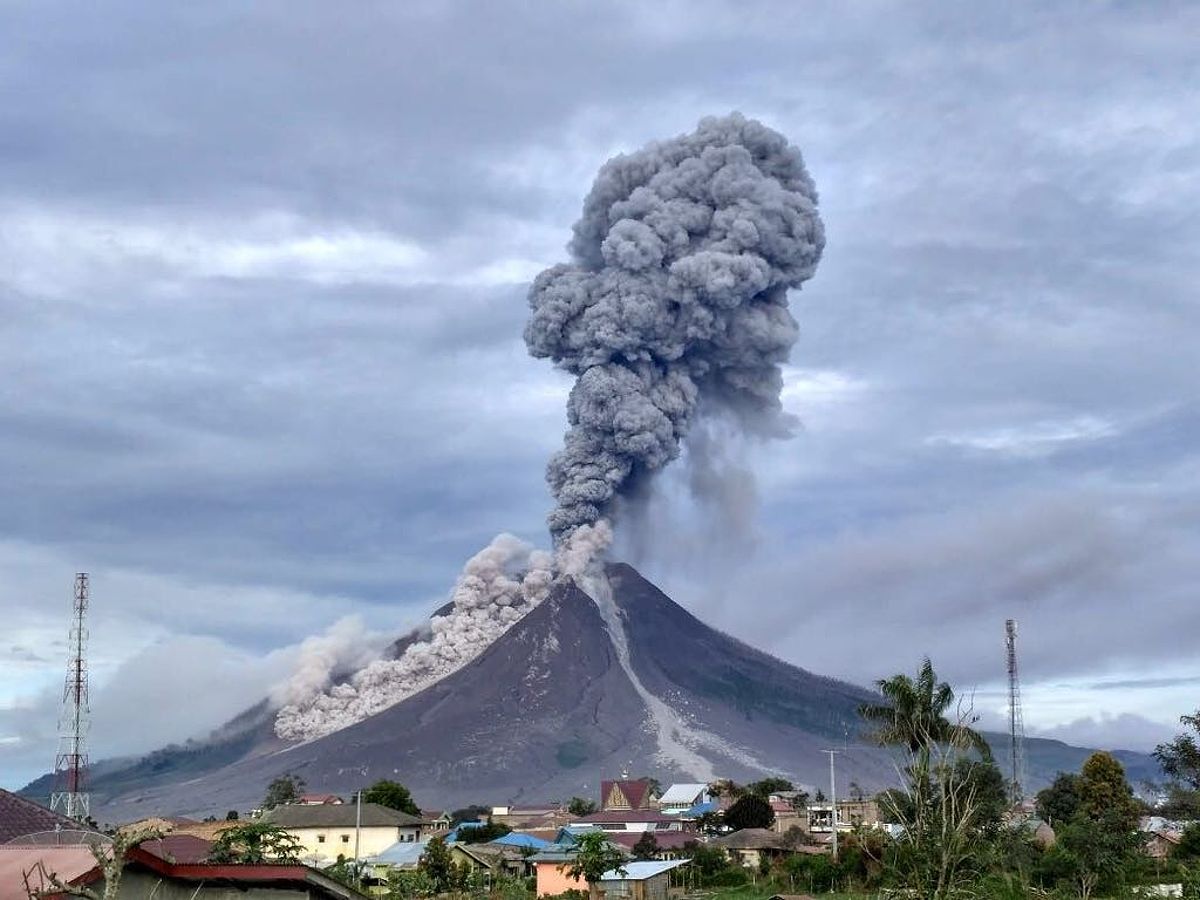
{"x":653,"y":842}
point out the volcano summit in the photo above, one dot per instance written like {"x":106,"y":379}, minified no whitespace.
{"x":551,"y":707}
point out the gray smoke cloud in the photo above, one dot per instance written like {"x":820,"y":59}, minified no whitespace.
{"x":675,"y":302}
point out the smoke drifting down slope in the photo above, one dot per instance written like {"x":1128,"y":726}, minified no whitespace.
{"x":674,"y":306}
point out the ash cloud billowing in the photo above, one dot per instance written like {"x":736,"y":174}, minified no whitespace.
{"x":674,"y":307}
{"x":675,"y":302}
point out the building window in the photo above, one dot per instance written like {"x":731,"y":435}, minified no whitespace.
{"x":345,"y":838}
{"x":320,"y":838}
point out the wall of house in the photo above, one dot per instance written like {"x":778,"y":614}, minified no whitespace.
{"x":329,"y":843}
{"x":147,"y":886}
{"x":551,"y":881}
{"x":654,"y":888}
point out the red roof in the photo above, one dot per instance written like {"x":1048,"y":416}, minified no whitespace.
{"x":666,"y":840}
{"x":179,"y":848}
{"x":19,"y":817}
{"x":636,"y":791}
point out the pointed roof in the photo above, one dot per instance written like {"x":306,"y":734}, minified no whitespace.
{"x":635,"y":793}
{"x":19,"y":817}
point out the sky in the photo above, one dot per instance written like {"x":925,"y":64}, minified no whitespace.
{"x":262,"y":284}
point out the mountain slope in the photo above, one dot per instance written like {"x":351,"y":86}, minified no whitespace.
{"x":548,"y":710}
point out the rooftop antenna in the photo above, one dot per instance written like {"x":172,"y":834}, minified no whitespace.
{"x":1016,"y":723}
{"x":70,"y":763}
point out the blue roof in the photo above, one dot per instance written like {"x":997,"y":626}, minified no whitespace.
{"x":516,"y":839}
{"x":700,"y":809}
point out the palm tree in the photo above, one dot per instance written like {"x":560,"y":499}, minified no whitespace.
{"x":914,"y":715}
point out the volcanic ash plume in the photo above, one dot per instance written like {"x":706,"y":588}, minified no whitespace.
{"x":497,"y":587}
{"x":674,"y":303}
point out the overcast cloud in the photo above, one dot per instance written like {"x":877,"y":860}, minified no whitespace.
{"x":262,"y":277}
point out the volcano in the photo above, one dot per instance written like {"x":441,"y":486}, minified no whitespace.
{"x":576,"y":691}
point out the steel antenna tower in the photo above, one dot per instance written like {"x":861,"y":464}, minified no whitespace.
{"x":1016,"y":723}
{"x":70,"y":763}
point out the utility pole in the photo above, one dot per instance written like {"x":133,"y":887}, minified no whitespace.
{"x":70,"y":762}
{"x":357,"y":828}
{"x":833,"y":799}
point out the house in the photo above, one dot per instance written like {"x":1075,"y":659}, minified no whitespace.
{"x":751,"y":845}
{"x":530,"y":817}
{"x":437,"y":821}
{"x":491,"y":858}
{"x":670,"y":843}
{"x":331,"y":830}
{"x":20,"y":817}
{"x":633,"y":820}
{"x":1162,"y":843}
{"x":174,"y":866}
{"x":787,"y":816}
{"x":319,"y":800}
{"x":626,"y":794}
{"x":679,"y":798}
{"x":640,"y":880}
{"x":548,"y":867}
{"x":855,"y":812}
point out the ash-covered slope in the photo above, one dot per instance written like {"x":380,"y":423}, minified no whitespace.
{"x":546,"y":712}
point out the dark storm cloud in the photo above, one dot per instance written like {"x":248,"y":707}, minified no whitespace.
{"x":261,"y":281}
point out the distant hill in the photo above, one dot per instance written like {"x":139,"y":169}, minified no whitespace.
{"x":548,"y":710}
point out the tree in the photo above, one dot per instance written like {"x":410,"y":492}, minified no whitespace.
{"x":482,"y":832}
{"x":472,"y":813}
{"x":231,"y":816}
{"x":593,"y":855}
{"x":1105,"y":794}
{"x":438,"y":865}
{"x":1093,"y":854}
{"x":579,"y":806}
{"x":914,"y":715}
{"x":768,"y":786}
{"x":1059,"y":803}
{"x":989,"y":788}
{"x":1188,"y":847}
{"x":285,"y":789}
{"x":1096,"y":844}
{"x":751,"y":811}
{"x":110,"y":860}
{"x":646,"y":846}
{"x":820,"y":797}
{"x":1180,"y":758}
{"x":940,"y":809}
{"x":707,"y":862}
{"x":393,"y":795}
{"x":255,"y":842}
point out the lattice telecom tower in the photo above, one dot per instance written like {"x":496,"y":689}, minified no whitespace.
{"x":70,"y":763}
{"x":1016,"y":723}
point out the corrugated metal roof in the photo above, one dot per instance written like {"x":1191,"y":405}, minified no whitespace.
{"x":516,"y":839}
{"x":640,"y":871}
{"x":401,"y":853}
{"x":678,"y":794}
